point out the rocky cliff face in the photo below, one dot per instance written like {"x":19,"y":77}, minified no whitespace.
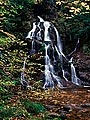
{"x":82,"y":62}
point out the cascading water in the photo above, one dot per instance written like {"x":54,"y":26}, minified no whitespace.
{"x":48,"y":76}
{"x":31,"y":34}
{"x":32,"y":48}
{"x":52,"y":77}
{"x":59,"y":47}
{"x":24,"y":83}
{"x":74,"y":78}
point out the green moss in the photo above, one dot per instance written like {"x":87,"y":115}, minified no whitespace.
{"x":33,"y":107}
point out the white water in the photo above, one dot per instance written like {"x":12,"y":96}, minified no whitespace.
{"x":48,"y":78}
{"x":59,"y":47}
{"x":74,"y":78}
{"x":41,"y":20}
{"x":24,"y":83}
{"x":46,"y":33}
{"x":32,"y":48}
{"x":51,"y":77}
{"x":60,"y":53}
{"x":31,"y":34}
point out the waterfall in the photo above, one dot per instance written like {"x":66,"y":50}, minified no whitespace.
{"x":46,"y":33}
{"x":60,"y":54}
{"x":48,"y":78}
{"x":52,"y":77}
{"x":59,"y":46}
{"x":32,"y":51}
{"x":41,"y":20}
{"x":31,"y":34}
{"x":24,"y":83}
{"x":74,"y":78}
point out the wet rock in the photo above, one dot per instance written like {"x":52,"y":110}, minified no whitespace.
{"x":50,"y":106}
{"x":86,"y":105}
{"x":67,"y":108}
{"x":82,"y":62}
{"x":53,"y":115}
{"x":63,"y":116}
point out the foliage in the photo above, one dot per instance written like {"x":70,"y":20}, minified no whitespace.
{"x":33,"y":107}
{"x":13,"y":15}
{"x":86,"y":49}
{"x":13,"y":112}
{"x":80,"y":26}
{"x":7,"y":112}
